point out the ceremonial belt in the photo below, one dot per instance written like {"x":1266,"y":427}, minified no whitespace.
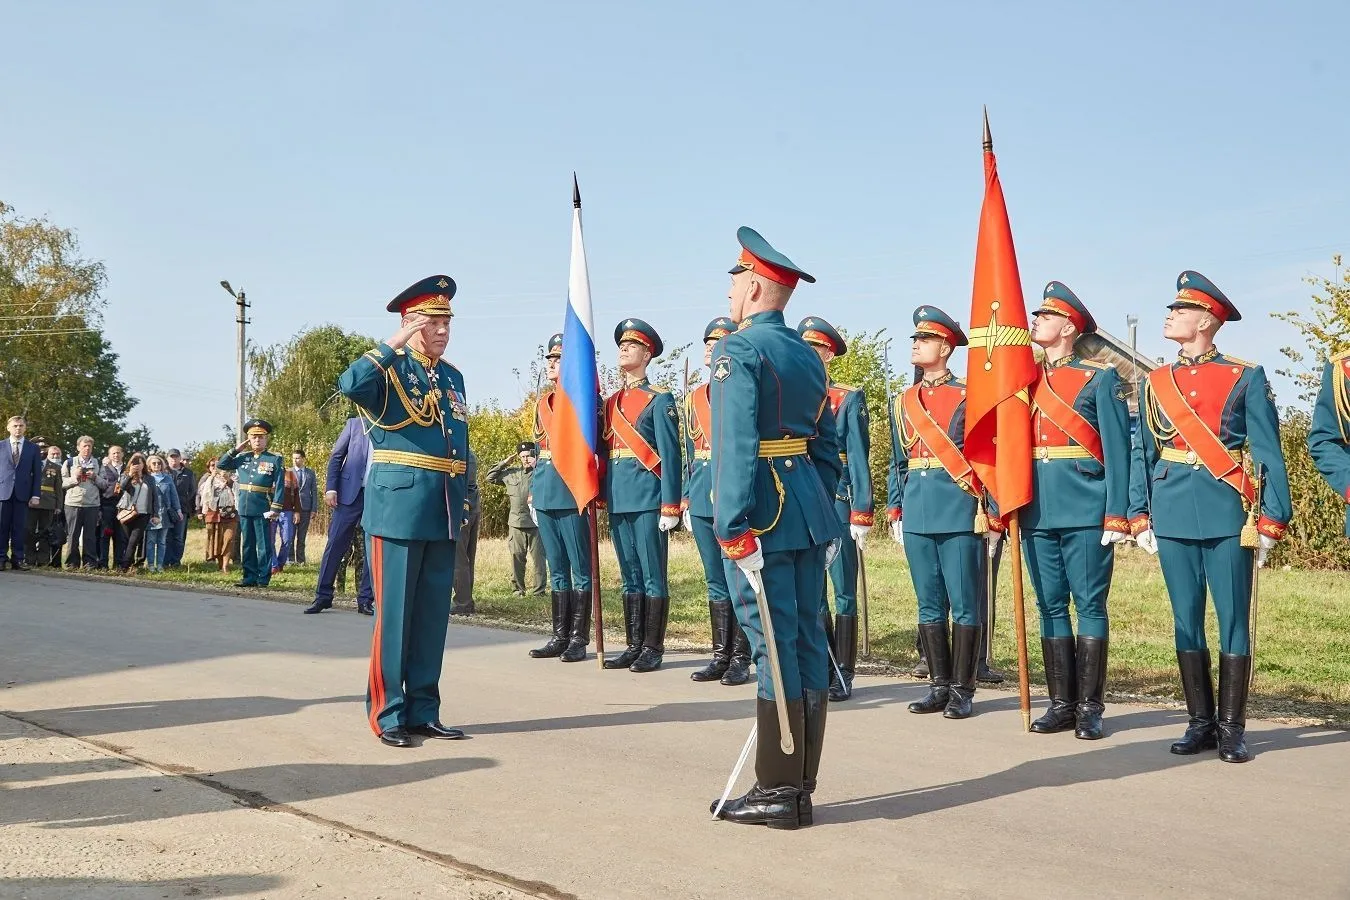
{"x":1222,"y":463}
{"x":1069,"y":420}
{"x":925,"y":462}
{"x":255,"y":488}
{"x":1045,"y":454}
{"x":937,"y":440}
{"x":450,"y":467}
{"x":636,"y":444}
{"x":545,"y":454}
{"x":782,"y":447}
{"x":843,"y":458}
{"x":702,"y":454}
{"x":1190,"y":457}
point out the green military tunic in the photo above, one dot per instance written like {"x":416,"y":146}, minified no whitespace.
{"x":1329,"y":437}
{"x":260,"y":489}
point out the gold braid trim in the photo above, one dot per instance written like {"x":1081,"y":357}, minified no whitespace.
{"x":1161,"y":432}
{"x":1338,"y":389}
{"x":908,"y":437}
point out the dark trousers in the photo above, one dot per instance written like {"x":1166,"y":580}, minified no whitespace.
{"x":82,"y":525}
{"x":133,"y":547}
{"x":301,"y":532}
{"x":39,"y":544}
{"x":175,"y":540}
{"x":111,"y":531}
{"x":13,"y":527}
{"x":341,"y":530}
{"x":466,"y":549}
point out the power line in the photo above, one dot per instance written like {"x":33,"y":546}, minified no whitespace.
{"x":12,"y":334}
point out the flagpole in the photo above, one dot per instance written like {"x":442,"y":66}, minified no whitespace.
{"x":1020,"y":619}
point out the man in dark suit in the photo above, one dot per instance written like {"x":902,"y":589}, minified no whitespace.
{"x":20,"y":488}
{"x":345,"y":496}
{"x":185,"y":485}
{"x":308,"y":486}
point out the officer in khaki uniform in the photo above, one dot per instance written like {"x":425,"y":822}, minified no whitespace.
{"x":515,"y":473}
{"x":260,"y":489}
{"x":1209,"y":434}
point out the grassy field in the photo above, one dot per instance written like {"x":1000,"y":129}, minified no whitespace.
{"x":1302,"y":639}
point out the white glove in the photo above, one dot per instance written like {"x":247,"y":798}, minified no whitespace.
{"x":668,"y":522}
{"x":534,"y":516}
{"x":1145,"y":541}
{"x":1267,"y":545}
{"x":1112,"y":537}
{"x":688,"y":522}
{"x":270,"y":515}
{"x":832,"y":550}
{"x":752,"y":563}
{"x":858,"y":532}
{"x":991,"y":539}
{"x":898,"y":532}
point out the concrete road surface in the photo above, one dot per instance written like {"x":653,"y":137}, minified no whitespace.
{"x":588,"y":783}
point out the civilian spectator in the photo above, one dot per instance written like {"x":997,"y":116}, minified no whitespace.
{"x":283,"y":526}
{"x":137,"y":509}
{"x":466,"y":548}
{"x":344,"y":494}
{"x":83,"y":501}
{"x":185,"y":483}
{"x":44,"y":536}
{"x":20,"y":468}
{"x":216,"y":500}
{"x":309,"y":500}
{"x":158,"y":532}
{"x":109,"y":479}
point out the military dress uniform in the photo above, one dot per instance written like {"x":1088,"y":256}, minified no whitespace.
{"x":1080,"y":497}
{"x":775,"y":463}
{"x":1205,"y":423}
{"x":731,"y":648}
{"x":1329,"y":437}
{"x":565,"y":533}
{"x":641,"y":485}
{"x":852,"y":501}
{"x":415,"y":506}
{"x":934,"y":493}
{"x":260,"y":488}
{"x":47,"y":520}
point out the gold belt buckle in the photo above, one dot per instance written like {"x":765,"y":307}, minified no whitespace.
{"x":1191,"y":457}
{"x":1044,"y":453}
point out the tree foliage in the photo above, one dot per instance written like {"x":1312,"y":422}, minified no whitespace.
{"x":56,"y":369}
{"x":1325,"y":329}
{"x":864,"y":366}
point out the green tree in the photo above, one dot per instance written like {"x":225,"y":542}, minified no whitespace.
{"x":56,"y":369}
{"x":864,"y":366}
{"x":1325,"y":329}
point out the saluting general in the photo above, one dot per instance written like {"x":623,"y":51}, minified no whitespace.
{"x":642,"y":491}
{"x":775,"y":465}
{"x":1329,"y":437}
{"x":260,"y":488}
{"x":852,"y":501}
{"x":413,"y":402}
{"x":1077,"y":514}
{"x":1209,"y":494}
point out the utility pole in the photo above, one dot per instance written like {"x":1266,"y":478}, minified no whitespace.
{"x":241,"y":320}
{"x":1132,"y":322}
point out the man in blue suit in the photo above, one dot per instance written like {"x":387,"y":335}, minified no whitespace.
{"x":345,"y":495}
{"x":20,"y":488}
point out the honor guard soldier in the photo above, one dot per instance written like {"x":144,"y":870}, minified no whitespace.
{"x":564,"y":531}
{"x":413,"y":402}
{"x":260,"y":487}
{"x":935,"y":510}
{"x":1209,"y":508}
{"x":731,"y":648}
{"x":775,"y":465}
{"x":1077,"y":514}
{"x":852,"y":500}
{"x":1329,"y":438}
{"x":642,"y":492}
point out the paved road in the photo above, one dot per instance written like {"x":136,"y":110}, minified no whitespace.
{"x":596,"y":784}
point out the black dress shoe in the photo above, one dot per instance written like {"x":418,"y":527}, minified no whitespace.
{"x":246,"y":584}
{"x":22,"y":566}
{"x":318,"y":606}
{"x":437,"y":730}
{"x":396,"y":737}
{"x":366,"y":610}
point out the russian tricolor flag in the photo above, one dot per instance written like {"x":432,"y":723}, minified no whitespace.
{"x":576,"y":407}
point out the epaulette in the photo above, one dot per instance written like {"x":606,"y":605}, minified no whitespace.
{"x":1239,"y":361}
{"x":400,"y":352}
{"x":1096,"y":364}
{"x":1337,"y":357}
{"x":658,"y":388}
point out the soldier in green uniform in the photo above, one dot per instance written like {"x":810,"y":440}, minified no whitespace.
{"x":852,"y":500}
{"x":564,"y":531}
{"x":415,"y":505}
{"x":514,"y":474}
{"x":731,"y":648}
{"x":1209,"y":434}
{"x":1081,"y":488}
{"x":1329,"y":438}
{"x":775,"y":464}
{"x":934,"y":507}
{"x":641,"y":487}
{"x":261,"y":481}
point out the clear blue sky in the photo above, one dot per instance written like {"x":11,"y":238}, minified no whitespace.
{"x":325,"y":155}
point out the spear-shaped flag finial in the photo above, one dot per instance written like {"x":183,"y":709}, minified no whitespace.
{"x":576,"y":189}
{"x":988,"y":138}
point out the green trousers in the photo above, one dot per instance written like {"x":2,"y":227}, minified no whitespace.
{"x":255,"y":551}
{"x":1070,"y":562}
{"x":526,"y":546}
{"x":1226,"y":567}
{"x":794,"y":581}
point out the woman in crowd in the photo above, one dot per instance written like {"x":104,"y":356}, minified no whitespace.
{"x":171,"y":513}
{"x":137,"y":509}
{"x":217,"y":501}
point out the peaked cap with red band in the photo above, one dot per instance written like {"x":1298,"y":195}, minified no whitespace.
{"x":759,"y":256}
{"x":718,"y":328}
{"x":929,"y":321}
{"x":554,"y":350}
{"x":815,"y":330}
{"x":430,"y":296}
{"x":1195,"y":291}
{"x":639,"y":331}
{"x":1058,"y":300}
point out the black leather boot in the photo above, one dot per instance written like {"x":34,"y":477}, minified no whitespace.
{"x":921,"y":667}
{"x":773,"y":801}
{"x":739,"y":670}
{"x":653,"y":636}
{"x":1091,"y":687}
{"x":632,"y":617}
{"x":579,"y":631}
{"x":984,"y":673}
{"x":938,"y":652}
{"x":965,"y":650}
{"x":1062,"y":681}
{"x":827,"y":623}
{"x":815,"y":705}
{"x":1234,"y":678}
{"x":1198,"y":685}
{"x":558,"y":643}
{"x":719,"y":613}
{"x":845,"y":654}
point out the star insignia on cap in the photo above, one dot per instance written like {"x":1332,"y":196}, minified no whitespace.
{"x":442,"y":283}
{"x":628,"y":324}
{"x":1185,"y":279}
{"x":1049,"y":286}
{"x":810,"y":323}
{"x":923,"y":313}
